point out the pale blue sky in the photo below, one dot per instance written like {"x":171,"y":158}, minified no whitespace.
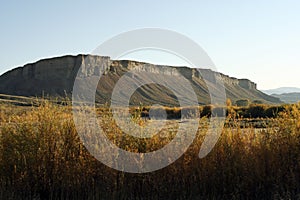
{"x":259,"y":40}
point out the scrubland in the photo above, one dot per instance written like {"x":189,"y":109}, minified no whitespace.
{"x":42,"y":157}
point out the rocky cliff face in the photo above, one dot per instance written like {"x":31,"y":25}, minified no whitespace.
{"x":55,"y":77}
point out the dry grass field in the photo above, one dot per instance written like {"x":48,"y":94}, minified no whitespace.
{"x":42,"y":157}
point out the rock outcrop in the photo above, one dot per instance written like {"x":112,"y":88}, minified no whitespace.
{"x":55,"y":77}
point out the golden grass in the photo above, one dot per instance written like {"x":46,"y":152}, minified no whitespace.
{"x":42,"y":157}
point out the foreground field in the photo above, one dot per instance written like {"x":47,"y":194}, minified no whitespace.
{"x":42,"y":157}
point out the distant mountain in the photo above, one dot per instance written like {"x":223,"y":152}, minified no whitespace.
{"x":293,"y":97}
{"x":55,"y":77}
{"x":282,"y":90}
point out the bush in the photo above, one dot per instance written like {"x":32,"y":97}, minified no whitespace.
{"x":206,"y":111}
{"x":274,"y":111}
{"x":242,"y":102}
{"x":256,"y":111}
{"x":258,"y":102}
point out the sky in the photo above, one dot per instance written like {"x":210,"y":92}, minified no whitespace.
{"x":258,"y":40}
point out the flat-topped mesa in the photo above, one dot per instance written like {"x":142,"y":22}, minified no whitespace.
{"x":55,"y":77}
{"x":66,"y":67}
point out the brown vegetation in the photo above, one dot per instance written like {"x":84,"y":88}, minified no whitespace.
{"x":42,"y":157}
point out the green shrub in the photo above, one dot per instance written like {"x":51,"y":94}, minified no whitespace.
{"x":257,"y":102}
{"x":242,"y":102}
{"x":256,"y":111}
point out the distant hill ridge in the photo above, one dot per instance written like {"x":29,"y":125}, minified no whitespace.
{"x":55,"y":77}
{"x":282,"y":90}
{"x":292,"y":97}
